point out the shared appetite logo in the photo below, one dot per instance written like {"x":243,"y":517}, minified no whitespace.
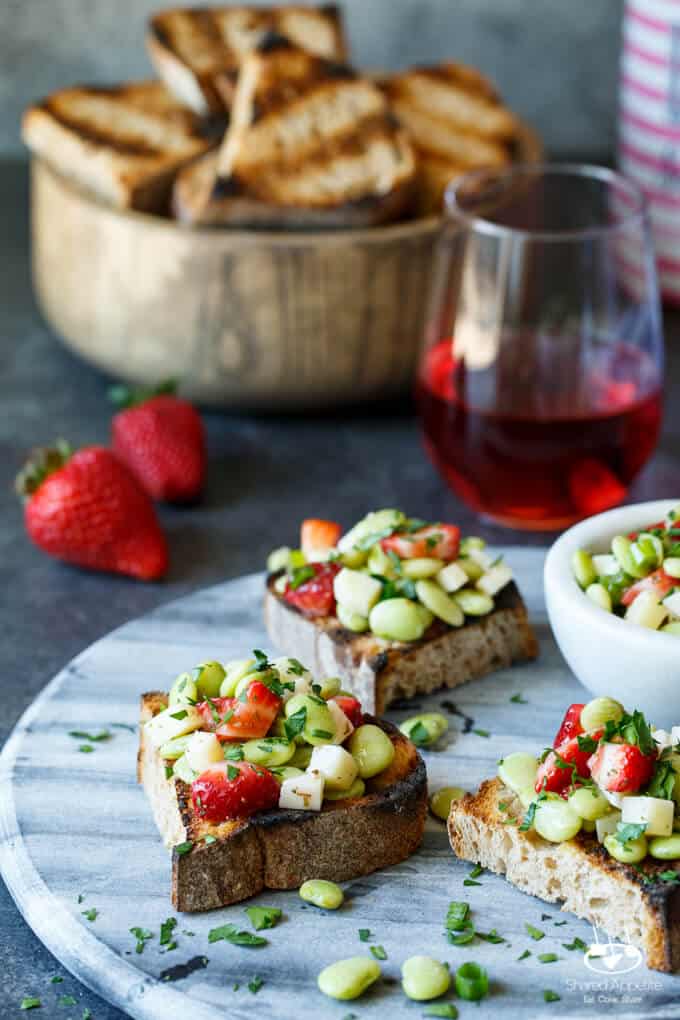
{"x":611,"y":958}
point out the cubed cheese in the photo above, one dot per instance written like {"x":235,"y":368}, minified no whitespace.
{"x":606,"y":564}
{"x":293,"y":672}
{"x":336,"y":765}
{"x":174,"y":721}
{"x":302,"y":793}
{"x":654,"y":812}
{"x":494,"y":579}
{"x":672,"y":603}
{"x":357,"y":592}
{"x":203,"y":750}
{"x":646,"y":611}
{"x":606,"y":825}
{"x":451,"y":577}
{"x":343,"y":727}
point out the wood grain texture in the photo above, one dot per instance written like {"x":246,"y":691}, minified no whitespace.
{"x":74,"y":823}
{"x":245,"y":319}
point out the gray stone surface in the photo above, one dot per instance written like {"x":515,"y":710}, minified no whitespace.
{"x":555,"y":62}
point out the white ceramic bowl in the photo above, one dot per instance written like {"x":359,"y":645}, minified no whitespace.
{"x":639,"y":667}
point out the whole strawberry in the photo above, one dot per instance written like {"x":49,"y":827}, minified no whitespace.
{"x":87,"y":508}
{"x":161,"y":439}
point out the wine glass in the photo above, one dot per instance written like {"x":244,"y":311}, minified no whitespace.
{"x":540,"y":382}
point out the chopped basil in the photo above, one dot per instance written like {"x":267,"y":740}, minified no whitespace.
{"x":229,"y":933}
{"x":87,"y":1013}
{"x":576,"y":944}
{"x":56,"y":980}
{"x":295,"y":723}
{"x":91,"y":914}
{"x":213,"y":711}
{"x":457,"y":914}
{"x":558,"y":924}
{"x":461,"y":938}
{"x":184,"y":848}
{"x":228,"y":716}
{"x":263,"y":917}
{"x":443,"y":1009}
{"x":517,"y":699}
{"x":30,"y":1003}
{"x":548,"y":957}
{"x":586,"y":743}
{"x":470,"y":881}
{"x":367,"y":541}
{"x":92,"y":737}
{"x":255,"y":984}
{"x":491,"y":936}
{"x":233,"y":772}
{"x":66,"y":1000}
{"x":482,"y":733}
{"x":669,"y":876}
{"x":419,"y":734}
{"x":167,"y":929}
{"x":378,"y":952}
{"x":299,"y":576}
{"x":535,"y":933}
{"x":209,"y":839}
{"x":549,"y":996}
{"x":364,"y":934}
{"x":525,"y":954}
{"x":86,"y":748}
{"x":234,"y":753}
{"x":142,"y":935}
{"x":169,"y":771}
{"x":80,"y":897}
{"x":296,"y":667}
{"x":182,"y":714}
{"x":261,"y":659}
{"x":322,"y":734}
{"x":662,"y":783}
{"x":476,"y":871}
{"x":626,"y":831}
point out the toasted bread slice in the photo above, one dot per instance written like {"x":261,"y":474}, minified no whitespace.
{"x":379,"y":672}
{"x":124,"y":143}
{"x":456,"y":121}
{"x":281,"y":849}
{"x":198,"y":51}
{"x":580,"y":873}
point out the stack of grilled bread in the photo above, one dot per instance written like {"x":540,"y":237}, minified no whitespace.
{"x":258,"y":120}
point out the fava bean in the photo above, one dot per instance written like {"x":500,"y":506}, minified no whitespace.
{"x":421,"y":567}
{"x":438,"y":602}
{"x":301,"y":757}
{"x":283,"y":772}
{"x":598,"y":594}
{"x":473,"y":603}
{"x":184,"y":691}
{"x":269,"y":751}
{"x":380,"y":563}
{"x":423,"y":978}
{"x":441,"y":800}
{"x":621,"y":550}
{"x":518,"y":770}
{"x":632,"y":852}
{"x":330,"y":686}
{"x":348,"y":979}
{"x":589,"y":804}
{"x":397,"y":620}
{"x":183,"y":770}
{"x":665,"y":848}
{"x":583,"y":568}
{"x":175,"y":748}
{"x":555,"y":820}
{"x":235,"y":671}
{"x":209,"y":677}
{"x":372,"y":750}
{"x":353,"y":621}
{"x":599,"y":711}
{"x":357,"y":789}
{"x":425,"y":729}
{"x":319,"y":725}
{"x":326,"y":895}
{"x":471,"y":568}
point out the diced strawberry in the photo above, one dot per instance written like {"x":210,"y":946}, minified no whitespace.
{"x":314,"y":597}
{"x":234,"y":719}
{"x":621,"y":768}
{"x":440,"y":541}
{"x":570,"y":726}
{"x":554,"y":777}
{"x":659,"y":582}
{"x":659,"y":526}
{"x":317,"y":535}
{"x":351,"y":707}
{"x":233,"y":790}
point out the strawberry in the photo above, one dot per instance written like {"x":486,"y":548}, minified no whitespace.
{"x":351,"y":707}
{"x":314,"y":596}
{"x":659,"y":582}
{"x":554,"y":776}
{"x":244,"y":718}
{"x":570,"y":726}
{"x":621,"y":768}
{"x":161,"y":439}
{"x":317,"y":536}
{"x":233,"y":790}
{"x":86,"y":508}
{"x":441,"y":541}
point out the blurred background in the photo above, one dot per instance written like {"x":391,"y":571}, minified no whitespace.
{"x":47,"y":44}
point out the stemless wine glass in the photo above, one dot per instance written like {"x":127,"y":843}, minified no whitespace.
{"x":540,"y":384}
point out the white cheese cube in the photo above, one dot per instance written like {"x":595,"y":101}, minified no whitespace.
{"x":675,"y":736}
{"x":451,"y":577}
{"x":672,"y":603}
{"x":203,"y":750}
{"x":645,"y":611}
{"x":654,"y":812}
{"x":494,"y":579}
{"x":606,"y":826}
{"x":343,"y":727}
{"x":357,"y":592}
{"x":289,"y":673}
{"x":605,"y":564}
{"x":174,"y":721}
{"x":302,"y":793}
{"x":336,"y":765}
{"x":662,"y":739}
{"x":481,"y":557}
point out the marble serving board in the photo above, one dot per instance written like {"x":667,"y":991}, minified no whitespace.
{"x":76,"y":834}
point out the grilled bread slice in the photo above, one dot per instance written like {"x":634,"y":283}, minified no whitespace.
{"x":124,"y":143}
{"x":281,"y":849}
{"x":456,"y":121}
{"x":379,"y":672}
{"x":310,"y":143}
{"x":619,"y":898}
{"x":198,"y":51}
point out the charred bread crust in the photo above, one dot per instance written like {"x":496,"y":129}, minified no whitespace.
{"x":624,"y":900}
{"x":282,"y":849}
{"x":380,"y":671}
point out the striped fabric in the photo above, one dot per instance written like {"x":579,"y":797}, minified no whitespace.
{"x":649,"y":138}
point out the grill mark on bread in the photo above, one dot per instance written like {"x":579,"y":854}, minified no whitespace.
{"x":99,"y":136}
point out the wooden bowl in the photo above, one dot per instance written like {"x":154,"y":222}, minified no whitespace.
{"x":244,"y":319}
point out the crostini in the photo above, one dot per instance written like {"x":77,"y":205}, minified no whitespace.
{"x":592,"y":823}
{"x":260,"y":778}
{"x":395,"y":606}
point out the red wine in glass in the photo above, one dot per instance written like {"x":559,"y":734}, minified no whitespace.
{"x":540,"y":456}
